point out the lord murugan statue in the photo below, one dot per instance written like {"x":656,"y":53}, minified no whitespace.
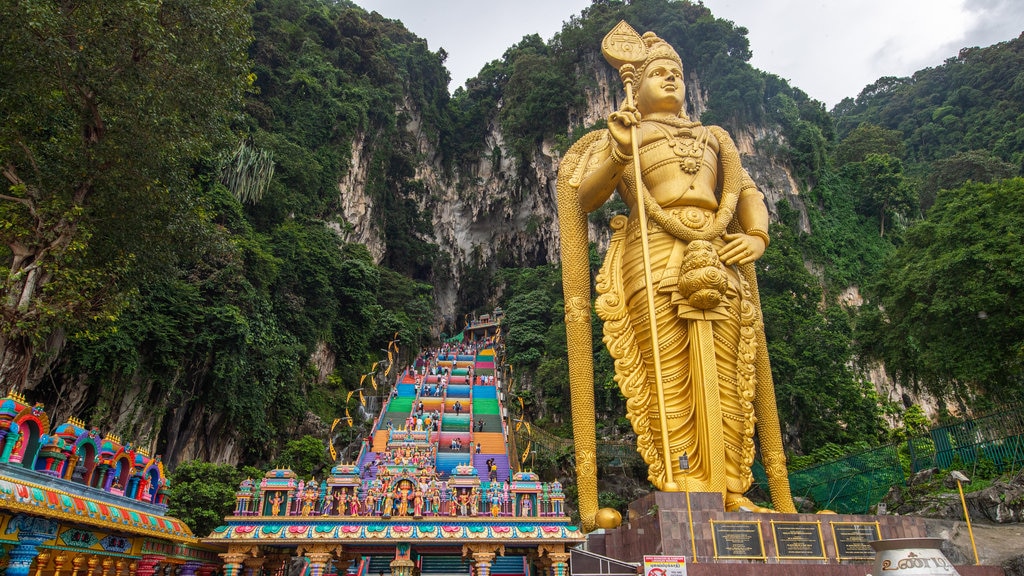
{"x":677,"y":290}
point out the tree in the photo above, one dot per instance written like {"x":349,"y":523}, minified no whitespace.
{"x":884,"y":191}
{"x":201,"y":494}
{"x":868,"y":139}
{"x":306,"y":456}
{"x":951,"y":322}
{"x":972,"y":166}
{"x":106,"y":108}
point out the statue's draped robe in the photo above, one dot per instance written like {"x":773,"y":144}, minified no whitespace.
{"x":720,"y":447}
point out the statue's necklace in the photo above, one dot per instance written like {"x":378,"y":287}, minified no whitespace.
{"x":690,"y":150}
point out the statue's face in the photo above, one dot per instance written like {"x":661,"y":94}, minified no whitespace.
{"x":661,"y":88}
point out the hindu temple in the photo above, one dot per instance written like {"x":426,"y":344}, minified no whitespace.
{"x":75,"y":501}
{"x":434,"y":489}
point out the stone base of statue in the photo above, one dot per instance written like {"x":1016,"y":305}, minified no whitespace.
{"x":763,"y":543}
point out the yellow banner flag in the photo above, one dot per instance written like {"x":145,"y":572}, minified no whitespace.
{"x":373,"y":381}
{"x":362,"y":399}
{"x":526,"y":453}
{"x":335,"y":423}
{"x":334,"y":453}
{"x":349,"y":397}
{"x":361,"y":379}
{"x":348,"y":417}
{"x":374,"y":367}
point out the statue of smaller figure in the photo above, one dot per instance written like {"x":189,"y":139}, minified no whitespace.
{"x":495,"y":502}
{"x":526,"y":506}
{"x":403,"y":502}
{"x":453,"y":505}
{"x":389,"y":503}
{"x":464,"y":503}
{"x":417,"y":505}
{"x":370,"y":504}
{"x":275,"y":504}
{"x":339,"y":502}
{"x":353,"y":503}
{"x":435,"y":501}
{"x":328,"y":505}
{"x":474,"y":501}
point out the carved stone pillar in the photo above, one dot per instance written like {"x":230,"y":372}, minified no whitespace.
{"x":345,"y":561}
{"x":191,"y":567}
{"x":559,"y":563}
{"x":233,"y":562}
{"x":146,"y":565}
{"x":402,"y":565}
{"x":24,"y":553}
{"x":483,"y":556}
{"x":482,"y":563}
{"x":319,"y":555}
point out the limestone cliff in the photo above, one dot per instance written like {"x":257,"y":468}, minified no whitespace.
{"x":496,"y":210}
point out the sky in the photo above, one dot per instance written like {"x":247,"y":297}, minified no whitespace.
{"x":830,"y":49}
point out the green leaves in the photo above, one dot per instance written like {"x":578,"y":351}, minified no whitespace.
{"x":106,"y":108}
{"x":951,"y":315}
{"x":202,"y":494}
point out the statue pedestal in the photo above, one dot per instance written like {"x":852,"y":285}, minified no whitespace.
{"x":657,"y":524}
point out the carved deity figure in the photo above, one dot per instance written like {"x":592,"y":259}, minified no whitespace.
{"x":677,"y":291}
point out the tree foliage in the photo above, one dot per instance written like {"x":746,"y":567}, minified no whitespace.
{"x":106,"y":108}
{"x":201,"y":494}
{"x":821,"y":400}
{"x":949,"y":320}
{"x":306,"y":456}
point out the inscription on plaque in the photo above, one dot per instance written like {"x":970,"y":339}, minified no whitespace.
{"x":738,"y":540}
{"x":798,"y":540}
{"x":852,"y":539}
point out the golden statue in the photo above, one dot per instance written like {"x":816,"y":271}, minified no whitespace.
{"x":677,"y":291}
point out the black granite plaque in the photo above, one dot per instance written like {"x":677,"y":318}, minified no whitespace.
{"x":852,"y":539}
{"x":738,"y":540}
{"x":798,"y":540}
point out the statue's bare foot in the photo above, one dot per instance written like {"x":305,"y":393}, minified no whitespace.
{"x":740,"y":503}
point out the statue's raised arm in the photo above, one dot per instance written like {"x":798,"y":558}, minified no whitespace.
{"x":677,"y":291}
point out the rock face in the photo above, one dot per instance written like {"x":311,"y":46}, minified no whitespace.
{"x":498,"y":210}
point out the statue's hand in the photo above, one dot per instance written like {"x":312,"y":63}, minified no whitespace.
{"x":619,"y":124}
{"x":741,"y":249}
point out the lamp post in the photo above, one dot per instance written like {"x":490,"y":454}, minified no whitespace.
{"x":684,"y":465}
{"x":960,"y":479}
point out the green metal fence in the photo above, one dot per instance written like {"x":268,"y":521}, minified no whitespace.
{"x":852,"y":485}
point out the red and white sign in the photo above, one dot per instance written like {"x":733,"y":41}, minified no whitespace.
{"x":664,"y":566}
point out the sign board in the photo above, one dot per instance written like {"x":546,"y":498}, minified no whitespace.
{"x":798,"y":540}
{"x":664,"y":565}
{"x":852,"y":540}
{"x":738,"y":539}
